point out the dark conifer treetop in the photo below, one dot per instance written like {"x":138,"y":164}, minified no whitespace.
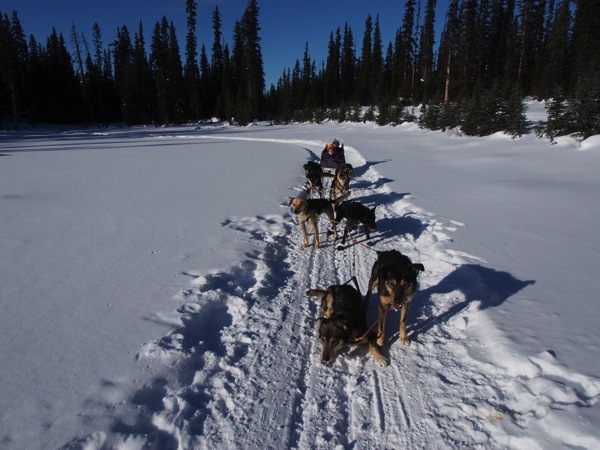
{"x":491,"y":56}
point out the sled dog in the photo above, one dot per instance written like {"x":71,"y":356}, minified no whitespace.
{"x":341,"y":181}
{"x":314,"y":182}
{"x":335,"y":298}
{"x":344,"y":324}
{"x":355,"y":214}
{"x":395,"y":277}
{"x":309,"y":210}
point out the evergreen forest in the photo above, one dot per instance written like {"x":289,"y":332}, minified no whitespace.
{"x":492,"y":55}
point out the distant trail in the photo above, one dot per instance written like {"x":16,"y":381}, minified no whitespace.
{"x":258,"y":381}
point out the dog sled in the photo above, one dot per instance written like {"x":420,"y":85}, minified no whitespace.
{"x":332,"y":156}
{"x":320,"y":175}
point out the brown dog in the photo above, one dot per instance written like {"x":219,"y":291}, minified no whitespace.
{"x":341,"y":182}
{"x":310,"y":210}
{"x":335,"y":298}
{"x":344,"y":324}
{"x":396,"y":279}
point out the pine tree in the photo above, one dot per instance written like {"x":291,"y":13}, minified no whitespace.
{"x":37,"y":77}
{"x":510,"y":109}
{"x":586,"y":36}
{"x":95,"y":77}
{"x":82,"y":77}
{"x":531,"y":15}
{"x":469,"y":56}
{"x":363,"y":85}
{"x":331,"y":77}
{"x":216,"y":89}
{"x":499,"y":28}
{"x":376,"y":88}
{"x":122,"y":52}
{"x":62,"y":85}
{"x":585,"y":108}
{"x":139,"y":97}
{"x":308,"y":76}
{"x":347,"y":65}
{"x":426,"y":44}
{"x":165,"y":62}
{"x":253,"y":69}
{"x":13,"y":67}
{"x":191,"y":74}
{"x":227,"y":89}
{"x":403,"y":67}
{"x":206,"y":98}
{"x":557,"y":122}
{"x":449,"y":51}
{"x":158,"y":64}
{"x":554,"y":77}
{"x":388,"y":63}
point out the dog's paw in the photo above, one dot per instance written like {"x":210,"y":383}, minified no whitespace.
{"x":383,"y":362}
{"x":377,"y":356}
{"x":370,"y":244}
{"x":405,"y":341}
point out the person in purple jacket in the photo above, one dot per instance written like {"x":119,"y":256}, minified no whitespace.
{"x":332,"y":156}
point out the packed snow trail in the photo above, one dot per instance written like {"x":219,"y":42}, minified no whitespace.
{"x":245,"y":367}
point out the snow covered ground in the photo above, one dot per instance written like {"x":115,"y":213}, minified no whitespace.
{"x":152,"y":291}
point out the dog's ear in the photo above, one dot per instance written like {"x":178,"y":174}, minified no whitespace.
{"x":316,"y":293}
{"x":418,"y":267}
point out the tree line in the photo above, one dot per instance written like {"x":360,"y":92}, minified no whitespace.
{"x":492,"y":55}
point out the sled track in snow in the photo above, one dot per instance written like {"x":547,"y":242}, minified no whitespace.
{"x":298,"y":401}
{"x":247,"y":362}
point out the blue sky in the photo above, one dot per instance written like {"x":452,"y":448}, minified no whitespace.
{"x":286,"y":25}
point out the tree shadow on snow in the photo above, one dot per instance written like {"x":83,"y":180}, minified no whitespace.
{"x":488,"y":286}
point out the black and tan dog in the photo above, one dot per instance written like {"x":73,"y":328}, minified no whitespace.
{"x":345,"y":322}
{"x":395,"y":277}
{"x":310,"y":210}
{"x":355,"y":214}
{"x":340,"y":185}
{"x":335,"y":298}
{"x":314,"y":181}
